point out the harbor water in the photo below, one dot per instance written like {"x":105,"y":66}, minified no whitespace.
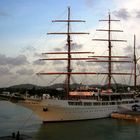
{"x":14,"y":118}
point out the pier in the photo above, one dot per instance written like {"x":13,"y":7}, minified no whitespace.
{"x":132,"y":116}
{"x":17,"y":136}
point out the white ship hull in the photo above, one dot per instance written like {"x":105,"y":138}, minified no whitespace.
{"x":54,"y":110}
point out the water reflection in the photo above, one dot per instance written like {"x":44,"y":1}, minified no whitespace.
{"x":103,"y":129}
{"x":14,"y":118}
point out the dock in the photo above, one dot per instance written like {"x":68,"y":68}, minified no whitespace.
{"x":132,"y":116}
{"x":16,"y":137}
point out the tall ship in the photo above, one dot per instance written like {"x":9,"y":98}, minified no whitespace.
{"x":84,"y":103}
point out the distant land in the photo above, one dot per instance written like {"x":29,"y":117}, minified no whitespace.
{"x":57,"y":89}
{"x":55,"y":86}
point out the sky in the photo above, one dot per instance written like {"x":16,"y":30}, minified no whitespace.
{"x":24,"y":25}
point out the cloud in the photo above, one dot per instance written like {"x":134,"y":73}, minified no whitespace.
{"x":138,"y":14}
{"x":127,"y":9}
{"x":37,"y":54}
{"x":122,"y":13}
{"x":80,"y":63}
{"x":102,"y":66}
{"x":38,"y":62}
{"x":19,"y":60}
{"x":89,"y":3}
{"x":4,"y":71}
{"x":83,"y":64}
{"x":60,"y":69}
{"x":124,"y":67}
{"x":3,"y":14}
{"x":57,"y":49}
{"x":74,"y":46}
{"x":58,"y":62}
{"x":128,"y":50}
{"x":25,"y":71}
{"x":138,"y":47}
{"x":28,"y":48}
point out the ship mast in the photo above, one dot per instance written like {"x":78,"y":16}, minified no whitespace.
{"x":109,"y":40}
{"x":135,"y":64}
{"x":69,"y":53}
{"x":69,"y":58}
{"x":109,"y":47}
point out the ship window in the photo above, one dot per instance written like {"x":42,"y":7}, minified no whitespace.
{"x":70,"y":103}
{"x":96,"y":103}
{"x":75,"y":103}
{"x":136,"y":101}
{"x":112,"y":103}
{"x":118,"y":103}
{"x":103,"y":103}
{"x":78,"y":103}
{"x":87,"y":103}
{"x":125,"y":102}
{"x":131,"y":102}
